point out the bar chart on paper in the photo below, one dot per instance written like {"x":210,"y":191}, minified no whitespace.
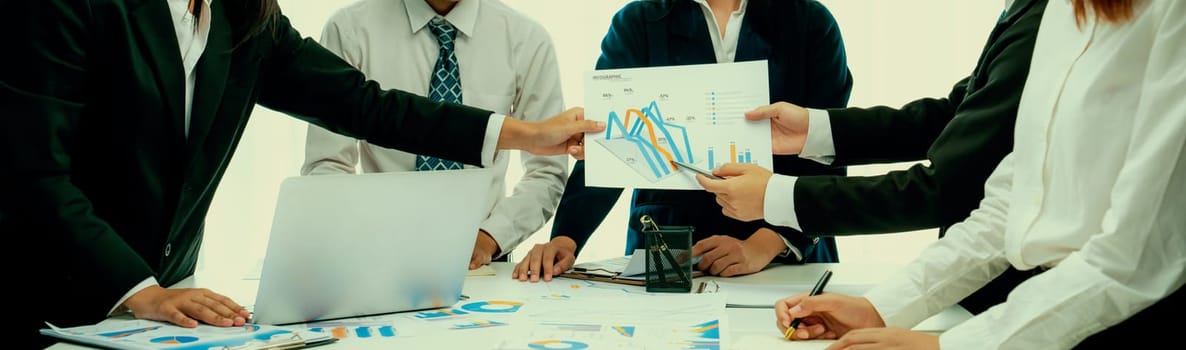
{"x":693,"y":114}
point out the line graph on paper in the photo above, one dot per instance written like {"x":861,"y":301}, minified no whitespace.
{"x":691,"y":114}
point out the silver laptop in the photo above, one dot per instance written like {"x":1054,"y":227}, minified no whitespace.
{"x":354,"y":245}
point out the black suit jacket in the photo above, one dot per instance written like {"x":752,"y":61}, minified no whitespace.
{"x":98,"y":177}
{"x":807,"y":65}
{"x":964,"y":136}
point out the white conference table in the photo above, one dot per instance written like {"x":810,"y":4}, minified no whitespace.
{"x":747,"y":328}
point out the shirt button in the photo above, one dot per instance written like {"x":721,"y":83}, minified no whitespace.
{"x":168,"y":249}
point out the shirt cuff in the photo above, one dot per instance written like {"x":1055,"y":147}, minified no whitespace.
{"x":819,"y":145}
{"x":490,"y":143}
{"x":791,"y":249}
{"x":147,"y":282}
{"x":779,"y":206}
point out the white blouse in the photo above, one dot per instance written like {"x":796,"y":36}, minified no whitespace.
{"x":1094,"y":191}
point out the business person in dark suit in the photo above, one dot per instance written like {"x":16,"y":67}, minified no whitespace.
{"x":807,"y":64}
{"x":120,"y":117}
{"x":963,"y":136}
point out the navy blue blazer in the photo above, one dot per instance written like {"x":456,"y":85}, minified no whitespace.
{"x":806,"y":59}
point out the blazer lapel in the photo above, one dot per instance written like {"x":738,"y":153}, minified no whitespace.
{"x":750,"y":45}
{"x":687,"y":37}
{"x":212,"y":70}
{"x":155,"y":31}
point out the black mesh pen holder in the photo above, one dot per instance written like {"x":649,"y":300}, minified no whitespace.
{"x":669,"y":257}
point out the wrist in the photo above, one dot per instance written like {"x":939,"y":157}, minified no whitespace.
{"x":767,"y":242}
{"x":487,"y":243}
{"x":565,"y":242}
{"x":515,"y":134}
{"x":144,"y":299}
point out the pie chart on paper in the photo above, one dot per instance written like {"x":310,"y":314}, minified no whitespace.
{"x":177,"y":339}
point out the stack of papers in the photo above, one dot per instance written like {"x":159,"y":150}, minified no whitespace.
{"x":152,"y":335}
{"x":630,"y":267}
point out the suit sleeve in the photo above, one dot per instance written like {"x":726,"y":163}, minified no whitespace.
{"x":968,"y":134}
{"x":303,"y":79}
{"x":42,"y":105}
{"x":327,"y":152}
{"x":884,"y":135}
{"x":582,"y":209}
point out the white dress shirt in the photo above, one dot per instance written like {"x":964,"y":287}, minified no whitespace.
{"x":1094,"y":192}
{"x":724,"y":44}
{"x":192,"y":44}
{"x":507,"y":64}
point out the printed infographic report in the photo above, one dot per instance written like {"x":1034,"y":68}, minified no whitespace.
{"x":693,"y":114}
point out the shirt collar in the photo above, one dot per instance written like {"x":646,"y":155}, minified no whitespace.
{"x":740,"y":7}
{"x":463,"y":16}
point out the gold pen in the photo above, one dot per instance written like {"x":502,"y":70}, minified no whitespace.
{"x":819,"y":288}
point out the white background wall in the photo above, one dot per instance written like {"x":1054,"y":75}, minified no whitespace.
{"x":898,"y":51}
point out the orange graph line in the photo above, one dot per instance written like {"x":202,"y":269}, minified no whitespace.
{"x":651,"y":133}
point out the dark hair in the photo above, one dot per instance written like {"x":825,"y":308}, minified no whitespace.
{"x":1114,"y":11}
{"x":247,"y":17}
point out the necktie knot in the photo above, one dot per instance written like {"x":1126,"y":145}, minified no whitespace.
{"x":444,"y":31}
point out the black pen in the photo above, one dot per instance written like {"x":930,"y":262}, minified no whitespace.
{"x":819,"y":288}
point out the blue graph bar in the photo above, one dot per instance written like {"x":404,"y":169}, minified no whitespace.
{"x":747,"y":157}
{"x":711,"y":161}
{"x":387,"y":331}
{"x":363,"y":332}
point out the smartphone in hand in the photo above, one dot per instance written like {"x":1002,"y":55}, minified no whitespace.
{"x":700,"y":171}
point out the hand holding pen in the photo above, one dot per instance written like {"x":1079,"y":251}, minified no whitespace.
{"x":817,"y":315}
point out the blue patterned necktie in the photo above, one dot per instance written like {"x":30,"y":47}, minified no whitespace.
{"x":445,"y":86}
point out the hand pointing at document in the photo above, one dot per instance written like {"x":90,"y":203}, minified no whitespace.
{"x":561,"y":134}
{"x":742,"y":194}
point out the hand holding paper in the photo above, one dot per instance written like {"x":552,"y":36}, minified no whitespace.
{"x":788,"y":126}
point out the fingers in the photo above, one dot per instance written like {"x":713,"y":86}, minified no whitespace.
{"x":764,"y":112}
{"x":856,"y":339}
{"x":724,"y":262}
{"x":536,"y":262}
{"x":196,"y":310}
{"x":548,"y":259}
{"x":703,"y":246}
{"x":521,"y":270}
{"x":588,"y":126}
{"x":782,"y":308}
{"x":706,"y":246}
{"x":576,"y":146}
{"x":808,"y":331}
{"x":710,"y":185}
{"x":229,"y":309}
{"x":564,"y":263}
{"x":731,"y":169}
{"x":179,"y":318}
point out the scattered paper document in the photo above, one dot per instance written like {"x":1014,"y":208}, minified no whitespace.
{"x":485,"y":270}
{"x":763,"y":296}
{"x":632,"y":266}
{"x":151,"y":335}
{"x":693,"y":114}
